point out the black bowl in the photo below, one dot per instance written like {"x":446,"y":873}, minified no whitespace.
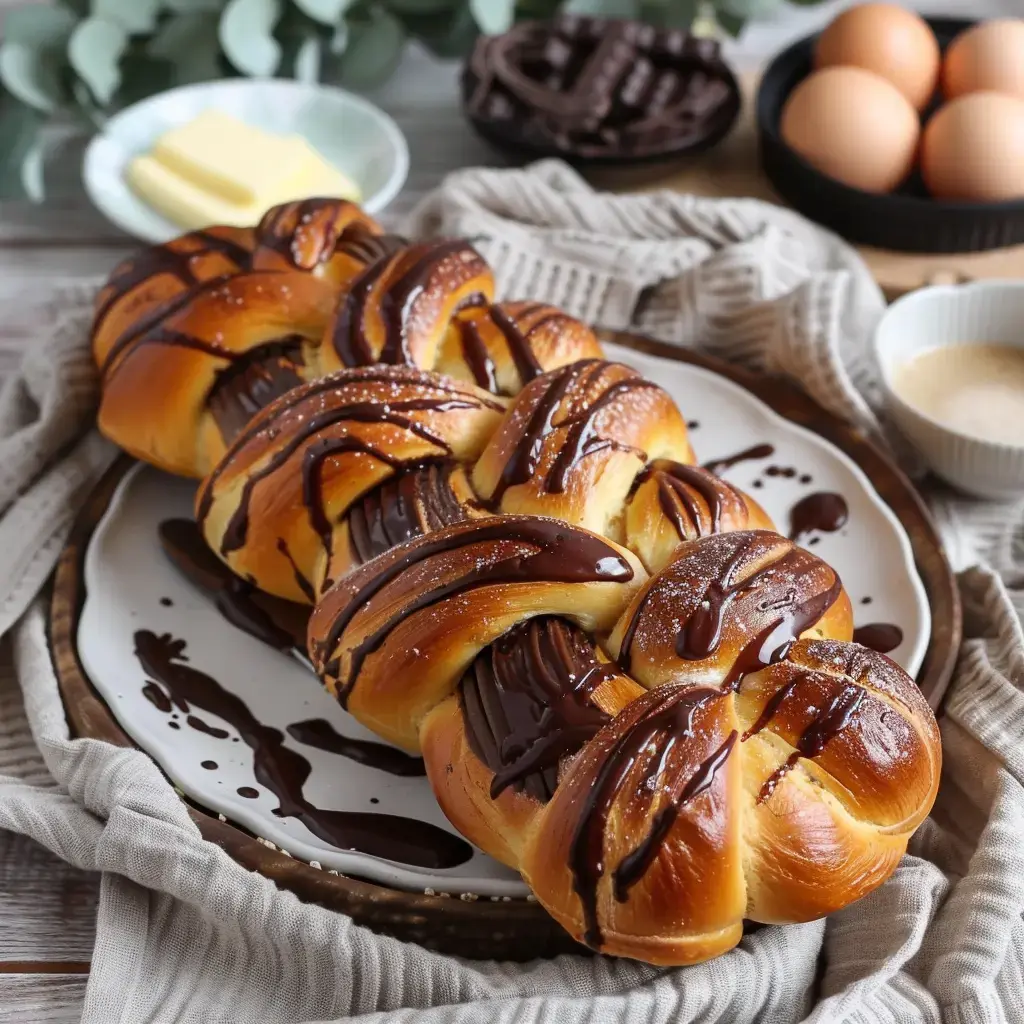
{"x":908,"y":219}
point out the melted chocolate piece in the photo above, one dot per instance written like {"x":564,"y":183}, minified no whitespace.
{"x":668,"y":718}
{"x":882,"y":637}
{"x":478,"y":359}
{"x":823,"y":511}
{"x":787,"y":472}
{"x":561,"y":555}
{"x":166,"y":602}
{"x":757,"y":451}
{"x":210,"y":766}
{"x":252,"y":381}
{"x":416,"y":502}
{"x":700,"y":633}
{"x":211,"y":730}
{"x":284,"y":772}
{"x":248,"y":792}
{"x":526,"y":703}
{"x":596,"y":89}
{"x":319,"y":733}
{"x":675,"y":484}
{"x":581,"y":438}
{"x":156,"y":697}
{"x":276,"y":622}
{"x":395,"y":304}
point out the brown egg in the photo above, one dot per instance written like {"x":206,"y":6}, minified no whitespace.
{"x":973,"y":148}
{"x":853,"y":126}
{"x":989,"y":56}
{"x":894,"y":43}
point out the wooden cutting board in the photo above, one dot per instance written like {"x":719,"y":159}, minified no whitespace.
{"x":732,"y":168}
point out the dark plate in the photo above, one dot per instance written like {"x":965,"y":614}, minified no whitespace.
{"x":908,"y":219}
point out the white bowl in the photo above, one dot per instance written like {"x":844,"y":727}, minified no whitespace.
{"x":979,"y":313}
{"x":352,"y":134}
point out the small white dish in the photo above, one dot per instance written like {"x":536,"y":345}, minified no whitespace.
{"x":978,"y":313}
{"x":130,"y":586}
{"x":355,"y":136}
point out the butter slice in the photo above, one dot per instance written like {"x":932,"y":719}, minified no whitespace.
{"x":228,"y":158}
{"x":216,"y":170}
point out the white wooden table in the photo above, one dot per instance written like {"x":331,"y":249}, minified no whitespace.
{"x":48,"y":909}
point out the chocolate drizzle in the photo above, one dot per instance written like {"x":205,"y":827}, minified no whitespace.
{"x":882,"y":637}
{"x":478,"y":359}
{"x":280,"y":624}
{"x":780,"y":584}
{"x":827,"y":723}
{"x":581,"y":438}
{"x":560,"y":554}
{"x":319,"y":733}
{"x":395,"y":303}
{"x":284,"y":772}
{"x":679,"y":486}
{"x":668,"y":717}
{"x":252,"y":381}
{"x":757,"y":451}
{"x":526,"y":703}
{"x":823,"y":512}
{"x":395,"y":412}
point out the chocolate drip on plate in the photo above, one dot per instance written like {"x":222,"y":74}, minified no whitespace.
{"x":757,"y":451}
{"x":526,"y":703}
{"x":669,"y":718}
{"x":319,"y":733}
{"x":416,"y":502}
{"x":284,"y":772}
{"x":253,"y":381}
{"x":560,"y":554}
{"x":882,"y":637}
{"x":280,"y":624}
{"x":823,"y":512}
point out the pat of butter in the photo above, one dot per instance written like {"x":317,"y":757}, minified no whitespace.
{"x":216,"y":170}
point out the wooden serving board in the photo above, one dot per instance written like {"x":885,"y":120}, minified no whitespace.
{"x":733,"y":169}
{"x":510,"y":929}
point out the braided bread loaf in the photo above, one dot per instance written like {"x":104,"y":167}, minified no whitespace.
{"x":342,"y":469}
{"x":195,"y":336}
{"x":660,"y":758}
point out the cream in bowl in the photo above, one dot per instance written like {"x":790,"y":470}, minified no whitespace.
{"x":952,"y":362}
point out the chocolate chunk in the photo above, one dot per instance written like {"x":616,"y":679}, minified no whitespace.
{"x":599,"y":90}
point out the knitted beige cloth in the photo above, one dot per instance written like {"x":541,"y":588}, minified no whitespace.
{"x":185,"y":934}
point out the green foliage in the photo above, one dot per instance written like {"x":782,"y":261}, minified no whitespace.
{"x":89,"y":58}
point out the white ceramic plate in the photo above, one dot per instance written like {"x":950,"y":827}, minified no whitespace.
{"x":354,"y":135}
{"x":129,"y":581}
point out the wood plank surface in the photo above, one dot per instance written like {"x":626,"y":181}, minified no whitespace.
{"x":41,"y":998}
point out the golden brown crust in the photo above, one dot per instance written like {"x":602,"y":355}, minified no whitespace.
{"x":760,"y":775}
{"x":271,"y":506}
{"x":195,"y":336}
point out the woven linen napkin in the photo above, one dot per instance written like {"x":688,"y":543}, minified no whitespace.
{"x":186,"y":934}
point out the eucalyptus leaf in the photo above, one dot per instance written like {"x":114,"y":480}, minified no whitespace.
{"x":373,"y":51}
{"x":134,"y":16}
{"x":32,"y":170}
{"x":32,"y":76}
{"x":424,"y":6}
{"x":19,"y":129}
{"x":246,"y":35}
{"x":194,"y":6}
{"x":446,"y":35}
{"x":95,"y":50}
{"x":39,"y":26}
{"x":670,"y":13}
{"x":306,"y":66}
{"x":493,"y":16}
{"x":189,"y":42}
{"x":746,"y":8}
{"x":327,"y":12}
{"x":601,"y":8}
{"x":731,"y":23}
